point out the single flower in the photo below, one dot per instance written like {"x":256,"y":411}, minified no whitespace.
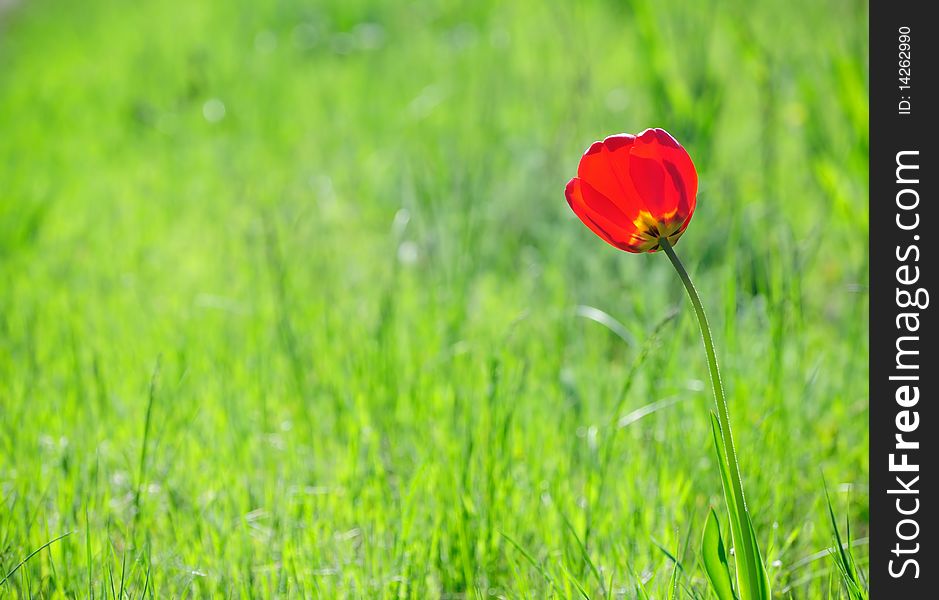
{"x":637,"y":192}
{"x":632,"y":190}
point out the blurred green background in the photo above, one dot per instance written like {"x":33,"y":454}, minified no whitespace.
{"x":291,"y":303}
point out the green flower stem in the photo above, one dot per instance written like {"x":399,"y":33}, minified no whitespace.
{"x":723,"y":415}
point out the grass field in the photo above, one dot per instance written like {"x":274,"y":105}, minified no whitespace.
{"x":292,"y":305}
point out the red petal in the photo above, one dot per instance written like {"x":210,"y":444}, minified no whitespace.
{"x":599,"y":214}
{"x":605,"y":166}
{"x":649,"y":179}
{"x":665,"y":160}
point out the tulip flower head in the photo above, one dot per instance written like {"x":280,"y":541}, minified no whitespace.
{"x":633,"y":190}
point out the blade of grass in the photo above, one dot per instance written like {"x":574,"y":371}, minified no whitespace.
{"x":752,"y":581}
{"x":577,"y":585}
{"x":32,"y":554}
{"x":531,"y":559}
{"x":120,"y":590}
{"x":843,"y":559}
{"x":142,"y":465}
{"x":91,"y":589}
{"x":583,"y":549}
{"x":714,"y":557}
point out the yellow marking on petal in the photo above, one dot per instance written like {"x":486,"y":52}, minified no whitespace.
{"x":649,"y":230}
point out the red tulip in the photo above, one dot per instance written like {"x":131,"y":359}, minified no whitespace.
{"x":632,"y":190}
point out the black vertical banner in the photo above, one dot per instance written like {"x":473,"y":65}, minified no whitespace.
{"x":903,"y":389}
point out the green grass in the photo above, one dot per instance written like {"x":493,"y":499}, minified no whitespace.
{"x":356,"y":296}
